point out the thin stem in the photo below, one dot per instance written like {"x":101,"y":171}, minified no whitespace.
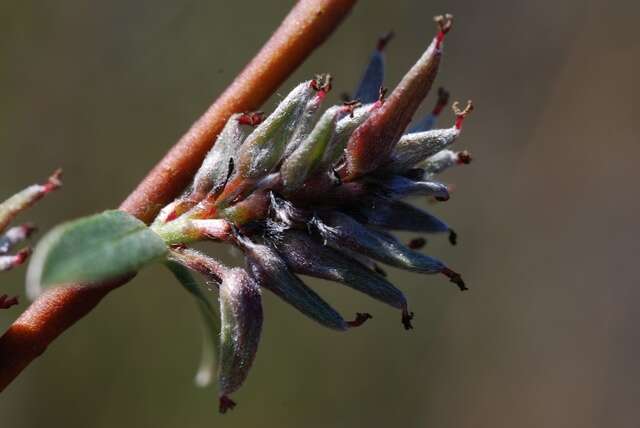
{"x":308,"y":24}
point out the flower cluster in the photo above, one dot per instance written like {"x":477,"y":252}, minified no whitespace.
{"x":14,"y":236}
{"x":301,"y":192}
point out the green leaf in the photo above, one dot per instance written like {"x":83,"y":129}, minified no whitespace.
{"x":211,"y":324}
{"x":93,"y":249}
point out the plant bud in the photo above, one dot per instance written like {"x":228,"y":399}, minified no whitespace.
{"x":306,"y":158}
{"x":215,"y":168}
{"x":241,"y":326}
{"x":307,"y":257}
{"x":397,"y":215}
{"x":400,"y":187}
{"x":373,"y":77}
{"x":372,"y":143}
{"x":342,"y":230}
{"x":415,"y":148}
{"x":344,"y":128}
{"x":263,"y":148}
{"x":271,"y":272}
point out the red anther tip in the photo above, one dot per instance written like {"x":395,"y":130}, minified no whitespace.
{"x":464,"y":157}
{"x":6,"y":303}
{"x":384,"y":40}
{"x":406,"y":319}
{"x":417,"y":243}
{"x":252,"y":118}
{"x":361,"y":318}
{"x":455,"y":278}
{"x":53,"y":182}
{"x":226,"y":403}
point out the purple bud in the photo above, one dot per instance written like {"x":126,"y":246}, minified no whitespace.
{"x":373,"y":77}
{"x":241,"y":326}
{"x":307,"y":257}
{"x":399,"y":186}
{"x":397,"y":215}
{"x":271,"y":272}
{"x":341,"y":230}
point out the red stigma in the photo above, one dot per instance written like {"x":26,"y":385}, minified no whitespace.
{"x":461,"y":114}
{"x":53,"y":182}
{"x":252,"y":118}
{"x":444,"y":25}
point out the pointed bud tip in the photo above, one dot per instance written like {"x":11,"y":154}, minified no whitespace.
{"x":454,"y":277}
{"x":361,"y":318}
{"x":226,"y":403}
{"x":406,"y":319}
{"x":384,"y":40}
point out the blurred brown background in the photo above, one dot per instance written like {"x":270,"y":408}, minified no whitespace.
{"x":547,"y":215}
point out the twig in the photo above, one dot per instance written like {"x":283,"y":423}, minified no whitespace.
{"x":308,"y":24}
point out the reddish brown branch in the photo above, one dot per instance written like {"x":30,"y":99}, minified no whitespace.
{"x":305,"y":28}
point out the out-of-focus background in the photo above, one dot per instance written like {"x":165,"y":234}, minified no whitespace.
{"x":547,"y":215}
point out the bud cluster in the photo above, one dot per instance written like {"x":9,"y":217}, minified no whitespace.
{"x":301,"y":192}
